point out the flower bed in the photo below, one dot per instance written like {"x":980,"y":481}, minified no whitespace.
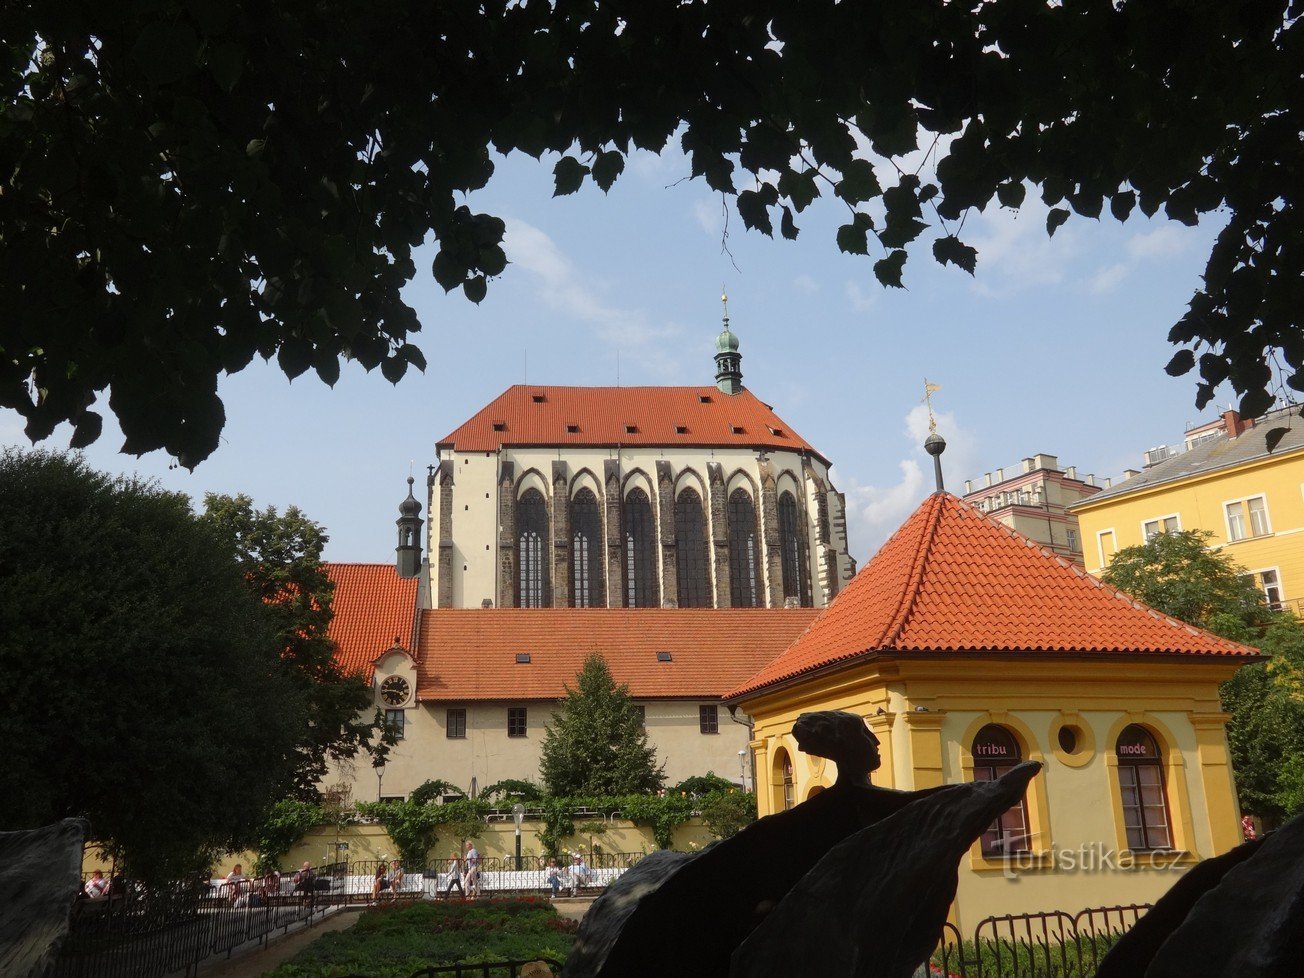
{"x":393,"y":942}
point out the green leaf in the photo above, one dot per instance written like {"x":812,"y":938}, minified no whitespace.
{"x":88,"y":429}
{"x":752,"y":209}
{"x":858,"y":182}
{"x":165,"y":52}
{"x":1182,"y":362}
{"x":1121,"y":204}
{"x":1056,"y":217}
{"x":1274,"y":437}
{"x":1011,"y":193}
{"x":493,"y":260}
{"x":888,"y":270}
{"x":853,"y":240}
{"x":476,"y":288}
{"x":1254,"y":403}
{"x":607,"y":167}
{"x":787,"y":226}
{"x":226,"y":64}
{"x":393,"y":368}
{"x":447,"y":271}
{"x":568,"y":175}
{"x":900,"y":232}
{"x":951,"y":249}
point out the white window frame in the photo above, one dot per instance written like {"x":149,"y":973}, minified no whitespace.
{"x":1145,"y":538}
{"x":1100,"y":544}
{"x":1247,"y":517}
{"x":1256,"y":576}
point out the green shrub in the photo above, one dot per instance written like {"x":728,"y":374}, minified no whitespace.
{"x":393,"y":942}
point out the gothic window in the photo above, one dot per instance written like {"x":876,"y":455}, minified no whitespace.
{"x":1145,"y":803}
{"x":642,"y":589}
{"x":744,"y":558}
{"x":532,"y":551}
{"x":691,"y":554}
{"x":995,"y":751}
{"x":586,"y":551}
{"x":792,"y":548}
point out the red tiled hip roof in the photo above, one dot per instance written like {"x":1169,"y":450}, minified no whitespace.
{"x":372,"y":608}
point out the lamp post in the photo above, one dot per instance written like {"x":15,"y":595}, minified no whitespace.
{"x":380,"y":776}
{"x":518,"y":813}
{"x":742,"y":767}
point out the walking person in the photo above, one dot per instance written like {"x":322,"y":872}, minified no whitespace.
{"x":472,"y":871}
{"x":454,"y":877}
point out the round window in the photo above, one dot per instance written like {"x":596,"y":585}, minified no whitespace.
{"x":1068,"y":739}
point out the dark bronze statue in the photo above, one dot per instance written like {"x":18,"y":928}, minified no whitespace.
{"x":685,"y":914}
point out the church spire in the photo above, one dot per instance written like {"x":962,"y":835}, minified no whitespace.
{"x":728,"y":362}
{"x":409,"y":522}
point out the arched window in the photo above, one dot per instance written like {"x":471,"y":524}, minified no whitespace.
{"x":744,"y":588}
{"x":792,"y":548}
{"x":586,"y":551}
{"x":789,"y":788}
{"x":995,"y":751}
{"x":641,"y":586}
{"x":691,"y":554}
{"x":532,"y":551}
{"x":1141,"y":778}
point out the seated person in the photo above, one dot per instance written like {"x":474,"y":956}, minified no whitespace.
{"x":97,"y":886}
{"x":270,"y":885}
{"x":379,"y":883}
{"x":579,"y":873}
{"x":304,"y":879}
{"x":554,"y":877}
{"x":235,"y":884}
{"x":395,"y":878}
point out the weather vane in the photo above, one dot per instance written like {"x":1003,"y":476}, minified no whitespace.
{"x":929,"y":391}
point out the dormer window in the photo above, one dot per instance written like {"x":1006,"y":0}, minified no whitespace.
{"x":538,"y":398}
{"x":736,"y":429}
{"x":500,"y":426}
{"x":663,"y":657}
{"x":572,"y":429}
{"x":776,"y":432}
{"x":522,"y":658}
{"x":631,"y":429}
{"x":681,"y":429}
{"x":703,"y":398}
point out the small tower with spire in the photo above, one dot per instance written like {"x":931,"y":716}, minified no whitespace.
{"x":728,"y":361}
{"x":409,"y":522}
{"x":934,"y":444}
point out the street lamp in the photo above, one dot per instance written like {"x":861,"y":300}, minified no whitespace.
{"x":518,"y":813}
{"x":380,"y":776}
{"x":742,"y":767}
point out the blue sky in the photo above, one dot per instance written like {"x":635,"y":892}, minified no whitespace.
{"x":1057,"y":345}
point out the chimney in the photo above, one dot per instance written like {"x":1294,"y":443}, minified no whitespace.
{"x":1028,"y":465}
{"x":1043,"y":461}
{"x":1090,"y":479}
{"x":1071,"y":472}
{"x":1233,"y":425}
{"x":968,"y":486}
{"x":1109,"y":482}
{"x":1128,"y":473}
{"x":987,"y":480}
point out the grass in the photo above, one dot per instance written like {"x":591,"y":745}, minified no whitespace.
{"x":393,"y":942}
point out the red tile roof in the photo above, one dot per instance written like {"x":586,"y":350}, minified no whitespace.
{"x":529,"y":415}
{"x":952,"y":579}
{"x":470,"y":654}
{"x":373,"y":607}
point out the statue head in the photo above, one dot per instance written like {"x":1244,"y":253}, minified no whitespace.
{"x":841,"y":737}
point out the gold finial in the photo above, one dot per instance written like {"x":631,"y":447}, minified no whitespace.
{"x":724,"y":300}
{"x":929,"y":391}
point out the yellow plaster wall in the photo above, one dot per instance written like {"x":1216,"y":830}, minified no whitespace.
{"x":1074,"y":803}
{"x":1199,"y":503}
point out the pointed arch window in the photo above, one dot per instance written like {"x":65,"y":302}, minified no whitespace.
{"x":690,"y":551}
{"x":586,"y":552}
{"x":995,"y":751}
{"x":642,"y":589}
{"x":1141,"y":778}
{"x":792,"y":549}
{"x":532,"y":589}
{"x":744,"y":563}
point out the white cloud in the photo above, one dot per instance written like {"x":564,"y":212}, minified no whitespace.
{"x":805,"y":283}
{"x":561,"y":288}
{"x":860,"y":300}
{"x":1163,"y":242}
{"x":875,"y":512}
{"x":1109,"y":278}
{"x":709,"y":214}
{"x":1014,"y":251}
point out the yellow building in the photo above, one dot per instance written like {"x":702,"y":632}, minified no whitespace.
{"x":1224,"y":480}
{"x":967,"y":648}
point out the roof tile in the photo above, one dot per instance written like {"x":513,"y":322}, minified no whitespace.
{"x":681,"y":416}
{"x":952,"y":579}
{"x":372,"y":607}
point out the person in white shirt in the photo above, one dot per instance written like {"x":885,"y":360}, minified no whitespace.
{"x":97,"y":886}
{"x":235,"y":883}
{"x":472,"y":871}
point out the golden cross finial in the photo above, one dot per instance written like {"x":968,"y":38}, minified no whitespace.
{"x":724,"y":299}
{"x":929,"y":391}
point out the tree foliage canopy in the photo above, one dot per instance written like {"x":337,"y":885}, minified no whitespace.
{"x":192,"y":183}
{"x":280,"y":555}
{"x":1176,"y":574}
{"x":596,"y":744}
{"x":142,"y":686}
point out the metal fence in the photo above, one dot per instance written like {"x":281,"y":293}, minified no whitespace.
{"x":1050,"y":944}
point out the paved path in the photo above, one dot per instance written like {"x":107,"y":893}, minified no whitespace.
{"x":254,"y":964}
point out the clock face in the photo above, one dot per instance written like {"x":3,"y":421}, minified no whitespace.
{"x":394,"y":690}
